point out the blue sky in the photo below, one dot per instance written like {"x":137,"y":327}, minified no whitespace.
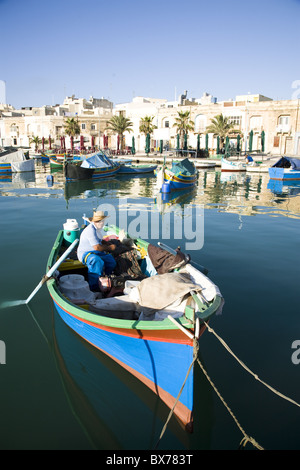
{"x":121,"y":49}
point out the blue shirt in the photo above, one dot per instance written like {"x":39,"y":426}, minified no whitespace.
{"x":89,"y":237}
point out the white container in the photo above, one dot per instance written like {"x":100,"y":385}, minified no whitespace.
{"x":71,"y":230}
{"x":76,"y":288}
{"x":71,"y":224}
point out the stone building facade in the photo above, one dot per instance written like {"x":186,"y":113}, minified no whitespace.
{"x":278,"y":119}
{"x":17,"y":127}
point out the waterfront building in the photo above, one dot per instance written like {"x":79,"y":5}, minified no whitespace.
{"x":18,"y":127}
{"x":251,"y":115}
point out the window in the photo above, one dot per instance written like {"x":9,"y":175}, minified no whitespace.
{"x":284,"y":120}
{"x":200,"y":123}
{"x":167,"y":124}
{"x":255,"y":122}
{"x":83,"y":127}
{"x":236,"y":120}
{"x":93,"y":127}
{"x":14,"y":128}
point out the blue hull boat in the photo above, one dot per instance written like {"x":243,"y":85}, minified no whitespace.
{"x":158,"y":351}
{"x":136,"y":169}
{"x":286,"y":169}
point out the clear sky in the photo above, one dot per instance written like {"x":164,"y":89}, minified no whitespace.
{"x":119,"y":49}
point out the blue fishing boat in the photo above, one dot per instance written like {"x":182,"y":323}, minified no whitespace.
{"x":95,"y":167}
{"x":286,"y":169}
{"x":151,"y":328}
{"x":128,"y":168}
{"x":113,"y":423}
{"x":183,"y":174}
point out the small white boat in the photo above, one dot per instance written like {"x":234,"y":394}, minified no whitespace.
{"x":228,"y":165}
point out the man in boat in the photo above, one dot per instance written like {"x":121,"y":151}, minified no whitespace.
{"x":95,"y":253}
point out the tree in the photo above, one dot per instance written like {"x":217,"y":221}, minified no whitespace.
{"x":183,"y":125}
{"x":72,"y":127}
{"x":222,"y":127}
{"x":146,"y":126}
{"x":119,"y":124}
{"x":35,"y":140}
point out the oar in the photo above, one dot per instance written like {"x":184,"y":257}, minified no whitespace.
{"x":45,"y":278}
{"x":174,"y":252}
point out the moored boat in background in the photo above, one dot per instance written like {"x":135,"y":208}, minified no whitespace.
{"x":228,"y":165}
{"x":15,"y":161}
{"x":286,"y":169}
{"x":95,"y":167}
{"x":182,"y":174}
{"x":128,"y":168}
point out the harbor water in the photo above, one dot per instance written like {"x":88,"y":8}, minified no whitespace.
{"x":57,"y":392}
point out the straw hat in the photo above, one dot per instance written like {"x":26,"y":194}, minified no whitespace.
{"x":97,"y":216}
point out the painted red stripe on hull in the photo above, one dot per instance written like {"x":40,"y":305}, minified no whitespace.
{"x":167,"y":336}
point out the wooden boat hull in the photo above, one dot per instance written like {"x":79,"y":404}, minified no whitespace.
{"x":76,"y":172}
{"x":113,"y":423}
{"x":150,"y":360}
{"x":227,"y":165}
{"x":179,"y":181}
{"x":17,"y":167}
{"x":5,"y":168}
{"x":137,"y":169}
{"x":158,"y":353}
{"x":57,"y":161}
{"x":284,"y":174}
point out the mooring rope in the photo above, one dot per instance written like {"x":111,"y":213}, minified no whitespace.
{"x":246,"y":438}
{"x":210,"y":330}
{"x":195,"y":355}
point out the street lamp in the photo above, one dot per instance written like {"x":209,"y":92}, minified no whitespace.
{"x":246,"y":136}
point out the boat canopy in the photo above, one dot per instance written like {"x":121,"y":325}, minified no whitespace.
{"x":288,"y":162}
{"x":185,"y":167}
{"x":9,"y":156}
{"x":98,"y":160}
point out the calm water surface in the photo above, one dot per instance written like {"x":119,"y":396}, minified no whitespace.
{"x":59,"y":393}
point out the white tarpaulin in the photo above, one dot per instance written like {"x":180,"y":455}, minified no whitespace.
{"x":96,"y":161}
{"x":8,"y":157}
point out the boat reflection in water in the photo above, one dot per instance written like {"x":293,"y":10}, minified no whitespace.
{"x":115,"y":409}
{"x":291,"y":188}
{"x":174,"y":200}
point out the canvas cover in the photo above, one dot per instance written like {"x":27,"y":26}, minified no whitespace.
{"x":14,"y":156}
{"x":288,"y":162}
{"x":157,"y":292}
{"x":185,"y":167}
{"x":98,"y":160}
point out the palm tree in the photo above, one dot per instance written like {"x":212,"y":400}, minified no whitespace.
{"x":183,"y":125}
{"x":119,"y":124}
{"x":221,"y":127}
{"x":72,"y":127}
{"x":35,"y":140}
{"x":146,"y":126}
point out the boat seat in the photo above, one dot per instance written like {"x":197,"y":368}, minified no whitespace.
{"x":71,"y":264}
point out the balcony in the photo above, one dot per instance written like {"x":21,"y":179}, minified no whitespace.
{"x":283,"y":128}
